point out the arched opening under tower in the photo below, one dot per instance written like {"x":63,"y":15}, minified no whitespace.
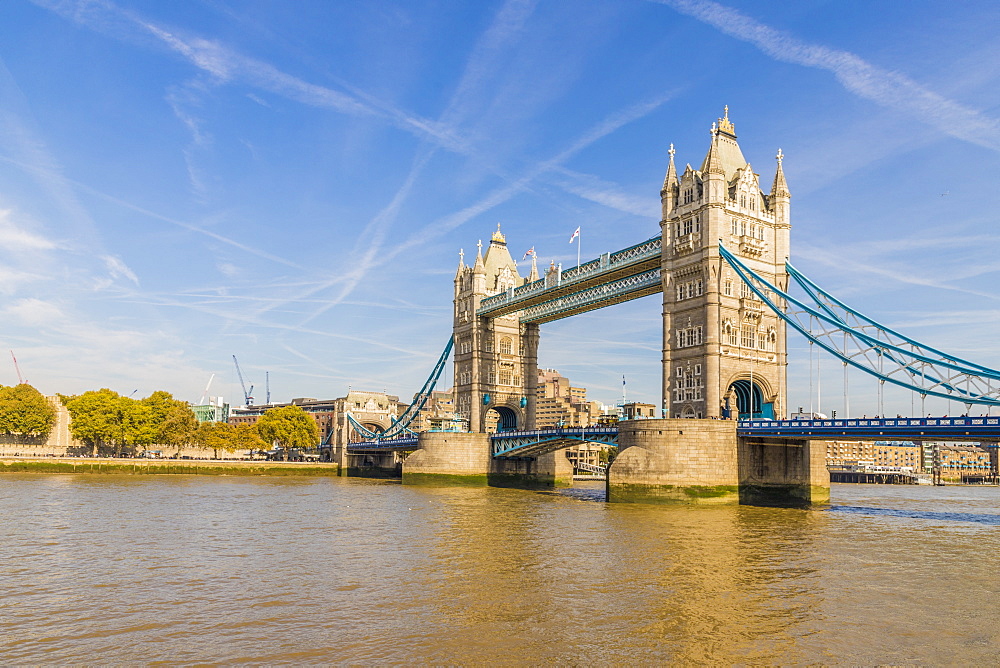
{"x":357,"y":437}
{"x":500,"y":418}
{"x":749,"y":400}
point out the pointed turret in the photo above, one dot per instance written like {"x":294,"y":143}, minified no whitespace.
{"x":668,"y":194}
{"x":780,"y":187}
{"x":461,"y":262}
{"x":713,"y":162}
{"x":480,"y":266}
{"x":533,"y":274}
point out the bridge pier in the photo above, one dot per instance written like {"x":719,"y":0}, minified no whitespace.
{"x":691,"y":461}
{"x":542,"y":472}
{"x":451,"y":458}
{"x":448,"y":458}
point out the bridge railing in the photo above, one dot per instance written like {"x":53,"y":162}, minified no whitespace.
{"x":859,"y":423}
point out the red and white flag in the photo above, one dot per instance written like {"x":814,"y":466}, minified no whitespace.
{"x":530,"y":251}
{"x":576,"y":233}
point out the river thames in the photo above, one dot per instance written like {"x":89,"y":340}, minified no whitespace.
{"x":190,"y":569}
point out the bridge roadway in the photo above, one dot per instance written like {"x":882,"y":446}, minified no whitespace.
{"x":533,"y":443}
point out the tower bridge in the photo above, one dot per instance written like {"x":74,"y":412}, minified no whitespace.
{"x":720,"y":264}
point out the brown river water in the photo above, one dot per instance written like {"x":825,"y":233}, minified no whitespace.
{"x":191,"y":569}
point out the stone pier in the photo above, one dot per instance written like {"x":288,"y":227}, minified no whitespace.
{"x":542,"y":472}
{"x":684,"y":461}
{"x":450,"y":458}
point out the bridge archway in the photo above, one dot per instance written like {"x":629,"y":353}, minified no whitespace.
{"x":501,"y":418}
{"x":746,"y":398}
{"x":355,"y":437}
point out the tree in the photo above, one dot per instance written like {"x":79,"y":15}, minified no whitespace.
{"x":228,"y":437}
{"x":174,"y":423}
{"x":25,"y":413}
{"x":288,"y":427}
{"x":246,"y":437}
{"x":103,"y":418}
{"x":96,"y":417}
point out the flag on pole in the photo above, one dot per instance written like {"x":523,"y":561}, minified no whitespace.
{"x":530,"y":251}
{"x":576,"y":233}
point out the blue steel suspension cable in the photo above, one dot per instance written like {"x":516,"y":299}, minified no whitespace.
{"x":893,"y":351}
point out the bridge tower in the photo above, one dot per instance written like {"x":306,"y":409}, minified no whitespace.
{"x":496,"y":359}
{"x":723,"y":351}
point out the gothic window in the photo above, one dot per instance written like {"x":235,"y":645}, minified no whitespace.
{"x":505,"y":376}
{"x":728,"y":288}
{"x":697,"y":223}
{"x":491,"y":377}
{"x":699,"y":287}
{"x":736,"y":228}
{"x":688,"y":226}
{"x":743,"y":201}
{"x":680,"y":372}
{"x":489,"y":344}
{"x":505,"y":346}
{"x":680,"y":292}
{"x":677,"y":229}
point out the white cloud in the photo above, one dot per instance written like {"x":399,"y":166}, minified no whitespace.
{"x":888,"y":89}
{"x":16,"y":238}
{"x":34,"y":312}
{"x":118,"y":269}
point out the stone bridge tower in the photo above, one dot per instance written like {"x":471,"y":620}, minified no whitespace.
{"x":496,"y":359}
{"x":723,"y":350}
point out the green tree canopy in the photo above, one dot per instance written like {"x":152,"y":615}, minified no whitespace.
{"x":104,"y":418}
{"x":174,"y":423}
{"x":246,"y":437}
{"x":228,"y":437}
{"x":288,"y":427}
{"x":25,"y":412}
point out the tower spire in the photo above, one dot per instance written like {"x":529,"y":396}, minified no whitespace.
{"x":533,"y":275}
{"x":670,"y":180}
{"x":713,"y":162}
{"x":480,"y":266}
{"x":780,"y":187}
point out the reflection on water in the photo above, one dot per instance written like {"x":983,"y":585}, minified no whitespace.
{"x":278,"y":570}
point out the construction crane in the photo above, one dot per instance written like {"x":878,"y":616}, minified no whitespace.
{"x":247,"y":394}
{"x":204,"y":394}
{"x":20,"y":379}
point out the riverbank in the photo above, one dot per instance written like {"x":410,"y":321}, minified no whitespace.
{"x":163,"y":466}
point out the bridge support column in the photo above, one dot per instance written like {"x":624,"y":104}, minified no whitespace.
{"x":783,"y":472}
{"x":542,"y":472}
{"x":675,"y":461}
{"x":690,"y":461}
{"x":448,"y":458}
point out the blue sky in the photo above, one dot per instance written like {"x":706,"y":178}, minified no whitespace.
{"x":292,"y":182}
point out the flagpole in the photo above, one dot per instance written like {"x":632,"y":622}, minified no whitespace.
{"x":579,"y":242}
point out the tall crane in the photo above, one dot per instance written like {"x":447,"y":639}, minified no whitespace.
{"x":247,"y":394}
{"x":201,"y":402}
{"x":20,"y":378}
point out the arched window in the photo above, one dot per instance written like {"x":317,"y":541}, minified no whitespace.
{"x":505,"y":346}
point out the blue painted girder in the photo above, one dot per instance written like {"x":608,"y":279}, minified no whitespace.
{"x":542,"y":441}
{"x":985,"y":428}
